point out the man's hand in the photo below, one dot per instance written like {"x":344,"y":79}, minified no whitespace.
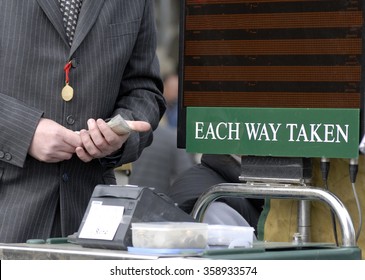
{"x":100,"y":140}
{"x":53,"y":143}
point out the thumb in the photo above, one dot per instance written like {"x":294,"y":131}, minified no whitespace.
{"x":139,"y":126}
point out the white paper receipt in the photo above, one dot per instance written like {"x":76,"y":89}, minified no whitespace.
{"x":102,"y":222}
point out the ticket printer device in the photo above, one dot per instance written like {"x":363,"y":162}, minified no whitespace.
{"x":112,"y":209}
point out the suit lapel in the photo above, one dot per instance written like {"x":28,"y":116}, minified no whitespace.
{"x":52,"y":10}
{"x":88,"y":15}
{"x":89,"y":12}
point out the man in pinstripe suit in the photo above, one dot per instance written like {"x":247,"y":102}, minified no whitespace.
{"x":54,"y":150}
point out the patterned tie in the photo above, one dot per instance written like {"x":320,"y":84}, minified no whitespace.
{"x":70,"y":10}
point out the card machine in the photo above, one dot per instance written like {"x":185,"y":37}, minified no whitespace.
{"x":112,"y":209}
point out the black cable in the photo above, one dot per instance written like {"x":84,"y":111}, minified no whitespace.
{"x":325,"y":168}
{"x":353,"y":169}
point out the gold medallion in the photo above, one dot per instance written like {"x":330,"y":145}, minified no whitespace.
{"x":67,"y":92}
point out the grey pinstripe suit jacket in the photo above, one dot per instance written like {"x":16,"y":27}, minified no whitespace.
{"x":115,"y":70}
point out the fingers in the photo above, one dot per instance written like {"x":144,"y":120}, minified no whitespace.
{"x":83,"y":155}
{"x":52,"y":142}
{"x":88,"y":143}
{"x":107,"y":133}
{"x":100,"y":140}
{"x":72,"y":139}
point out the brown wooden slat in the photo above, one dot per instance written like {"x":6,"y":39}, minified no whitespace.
{"x":199,"y":2}
{"x":271,"y":99}
{"x":275,"y":47}
{"x":339,"y":19}
{"x":273,"y":73}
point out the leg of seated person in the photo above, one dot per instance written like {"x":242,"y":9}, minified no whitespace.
{"x":194,"y":182}
{"x":230,"y":169}
{"x":191,"y":184}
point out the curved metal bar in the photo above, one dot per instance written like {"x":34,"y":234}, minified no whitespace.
{"x":260,"y":190}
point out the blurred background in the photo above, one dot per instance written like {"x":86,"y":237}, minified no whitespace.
{"x":167,"y":21}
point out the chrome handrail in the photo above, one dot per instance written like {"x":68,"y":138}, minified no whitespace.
{"x":281,"y":191}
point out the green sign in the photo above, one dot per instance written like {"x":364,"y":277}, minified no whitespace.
{"x":297,"y":132}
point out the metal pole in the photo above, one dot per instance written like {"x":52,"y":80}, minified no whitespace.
{"x":304,"y":217}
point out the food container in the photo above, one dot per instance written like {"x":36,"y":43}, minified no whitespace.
{"x":231,"y":236}
{"x":170,"y":235}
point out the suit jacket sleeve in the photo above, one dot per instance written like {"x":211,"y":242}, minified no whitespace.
{"x":141,"y":91}
{"x":17,"y":126}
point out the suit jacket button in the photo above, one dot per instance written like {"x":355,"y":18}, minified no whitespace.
{"x":8,"y":156}
{"x":70,"y":120}
{"x":74,"y":62}
{"x":2,"y":154}
{"x":65,"y":177}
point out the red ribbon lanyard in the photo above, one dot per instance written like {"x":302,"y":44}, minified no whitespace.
{"x":67,"y":70}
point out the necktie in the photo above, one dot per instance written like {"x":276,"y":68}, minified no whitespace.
{"x":70,"y":10}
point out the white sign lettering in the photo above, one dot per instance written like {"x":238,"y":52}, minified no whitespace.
{"x":272,"y":132}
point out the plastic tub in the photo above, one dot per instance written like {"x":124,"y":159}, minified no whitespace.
{"x":170,"y":235}
{"x":231,"y":236}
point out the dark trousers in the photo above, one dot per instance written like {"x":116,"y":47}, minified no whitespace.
{"x":213,"y":170}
